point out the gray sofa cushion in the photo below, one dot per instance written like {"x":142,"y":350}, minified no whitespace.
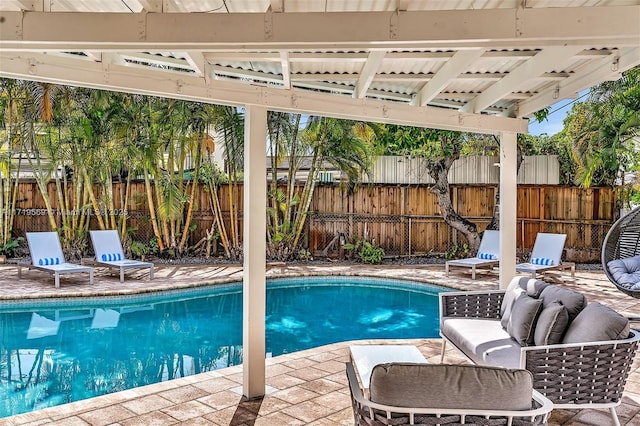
{"x":551,"y":325}
{"x":484,"y":341}
{"x":597,"y":323}
{"x":451,"y":386}
{"x":573,"y":301}
{"x":626,"y":272}
{"x":518,"y":286}
{"x":522,"y":320}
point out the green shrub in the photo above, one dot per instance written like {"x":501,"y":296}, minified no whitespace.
{"x":370,"y":253}
{"x":11,"y":247}
{"x":365,"y":251}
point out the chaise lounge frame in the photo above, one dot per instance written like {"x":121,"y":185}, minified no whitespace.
{"x":38,"y":243}
{"x":108,"y":241}
{"x":572,"y":376}
{"x":490,"y":244}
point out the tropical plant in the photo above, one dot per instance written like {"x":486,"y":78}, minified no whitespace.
{"x":603,"y":131}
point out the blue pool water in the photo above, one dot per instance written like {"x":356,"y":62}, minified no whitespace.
{"x":57,"y":351}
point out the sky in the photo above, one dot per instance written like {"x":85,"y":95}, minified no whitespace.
{"x":554,"y":122}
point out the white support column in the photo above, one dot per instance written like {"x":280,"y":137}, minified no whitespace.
{"x":508,"y":212}
{"x":254,"y":246}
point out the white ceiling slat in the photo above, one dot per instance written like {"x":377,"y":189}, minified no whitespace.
{"x":547,"y":60}
{"x":157,"y":60}
{"x":366,"y":30}
{"x":255,"y":76}
{"x":458,"y":64}
{"x":368,"y":73}
{"x":157,"y":83}
{"x":593,"y":73}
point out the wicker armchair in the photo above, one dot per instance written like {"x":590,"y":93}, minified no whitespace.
{"x":434,"y":386}
{"x":572,"y":376}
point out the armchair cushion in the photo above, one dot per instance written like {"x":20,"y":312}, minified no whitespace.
{"x":451,"y":386}
{"x":484,"y":341}
{"x":597,"y":323}
{"x":522,"y":321}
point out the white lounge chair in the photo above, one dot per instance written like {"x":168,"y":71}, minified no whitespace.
{"x":109,"y":253}
{"x":546,"y":254}
{"x":488,"y":254}
{"x":46,"y":255}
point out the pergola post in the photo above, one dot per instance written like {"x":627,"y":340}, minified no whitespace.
{"x":508,"y":210}
{"x":254,"y":249}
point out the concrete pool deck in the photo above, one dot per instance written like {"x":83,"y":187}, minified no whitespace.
{"x":303,"y":388}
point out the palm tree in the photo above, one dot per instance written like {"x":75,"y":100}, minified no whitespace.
{"x":335,"y":142}
{"x":603,"y":128}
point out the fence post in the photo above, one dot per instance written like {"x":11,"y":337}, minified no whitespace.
{"x":409,"y":236}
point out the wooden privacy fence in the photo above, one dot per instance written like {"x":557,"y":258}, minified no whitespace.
{"x":404,"y":220}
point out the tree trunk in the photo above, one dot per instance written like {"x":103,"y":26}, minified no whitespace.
{"x":438,"y":170}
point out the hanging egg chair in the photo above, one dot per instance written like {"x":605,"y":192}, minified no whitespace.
{"x":621,"y":254}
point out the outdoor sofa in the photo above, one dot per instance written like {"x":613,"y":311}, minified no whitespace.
{"x":580,"y":354}
{"x":430,"y":394}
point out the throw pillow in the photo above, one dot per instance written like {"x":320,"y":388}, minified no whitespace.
{"x":596,"y":323}
{"x":523,"y":318}
{"x":551,"y":325}
{"x":516,"y":287}
{"x":573,"y":301}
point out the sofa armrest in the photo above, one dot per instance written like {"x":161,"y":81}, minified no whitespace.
{"x":473,"y":304}
{"x":365,"y":411}
{"x":581,"y":373}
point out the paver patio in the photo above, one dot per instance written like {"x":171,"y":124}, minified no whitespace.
{"x":303,"y":388}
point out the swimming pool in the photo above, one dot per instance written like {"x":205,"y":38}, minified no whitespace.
{"x":57,"y":351}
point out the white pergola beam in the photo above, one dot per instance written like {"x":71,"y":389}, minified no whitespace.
{"x":457,"y":65}
{"x":254,"y":249}
{"x":367,"y":30}
{"x":368,"y":73}
{"x":286,"y":73}
{"x":507,"y":208}
{"x":196,"y":62}
{"x":59,"y":70}
{"x":154,"y":6}
{"x":277,"y":6}
{"x":552,"y":58}
{"x":591,"y":74}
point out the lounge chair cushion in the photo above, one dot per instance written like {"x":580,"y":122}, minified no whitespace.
{"x":488,"y":256}
{"x":451,"y":386}
{"x":542,"y":261}
{"x":517,"y":286}
{"x":626,"y":272}
{"x":597,"y":323}
{"x":46,"y":261}
{"x":551,"y":325}
{"x":110,"y":257}
{"x":484,"y":341}
{"x":573,"y":301}
{"x":522,"y":320}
